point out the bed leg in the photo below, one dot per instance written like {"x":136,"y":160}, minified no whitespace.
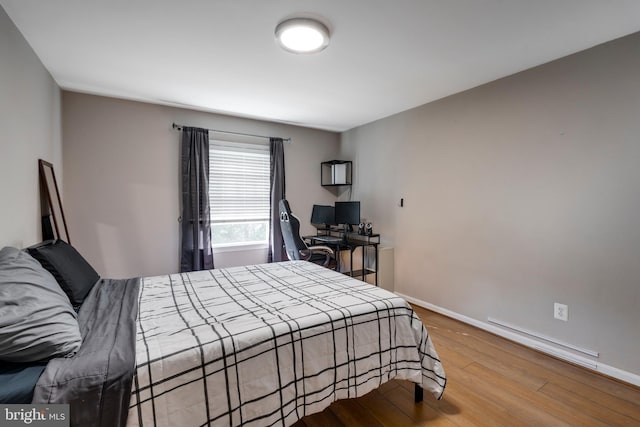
{"x":418,"y":395}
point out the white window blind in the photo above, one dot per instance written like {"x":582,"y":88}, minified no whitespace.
{"x":239,"y":192}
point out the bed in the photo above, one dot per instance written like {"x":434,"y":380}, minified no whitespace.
{"x":265,"y":345}
{"x":260,"y":345}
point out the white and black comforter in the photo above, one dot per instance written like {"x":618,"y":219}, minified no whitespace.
{"x":268,"y":344}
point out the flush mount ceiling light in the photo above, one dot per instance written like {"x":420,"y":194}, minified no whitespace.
{"x":302,"y":35}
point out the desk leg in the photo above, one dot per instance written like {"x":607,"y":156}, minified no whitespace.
{"x":351,"y":262}
{"x":376,"y":267}
{"x":364,"y":269}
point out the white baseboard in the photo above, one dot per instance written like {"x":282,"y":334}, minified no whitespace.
{"x":532,"y":342}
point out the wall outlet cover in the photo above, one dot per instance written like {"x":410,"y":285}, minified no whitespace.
{"x":560,"y":311}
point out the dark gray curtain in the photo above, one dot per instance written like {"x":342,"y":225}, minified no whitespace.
{"x":276,"y":243}
{"x":196,"y":252}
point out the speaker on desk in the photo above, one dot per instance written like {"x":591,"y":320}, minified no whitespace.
{"x":361,"y":228}
{"x":368,"y":229}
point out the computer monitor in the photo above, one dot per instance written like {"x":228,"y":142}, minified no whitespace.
{"x":347,"y":213}
{"x":322,"y":216}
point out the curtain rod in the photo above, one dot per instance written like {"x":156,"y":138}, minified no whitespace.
{"x":179,"y":127}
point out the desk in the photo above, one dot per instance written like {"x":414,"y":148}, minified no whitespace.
{"x":350,"y":241}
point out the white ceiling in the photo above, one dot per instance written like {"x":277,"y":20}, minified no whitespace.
{"x":385,"y":56}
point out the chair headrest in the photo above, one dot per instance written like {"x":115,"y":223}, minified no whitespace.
{"x":285,"y":210}
{"x":284,"y":206}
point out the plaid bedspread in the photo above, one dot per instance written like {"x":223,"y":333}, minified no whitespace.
{"x":265,"y":345}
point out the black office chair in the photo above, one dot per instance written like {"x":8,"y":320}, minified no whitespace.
{"x":295,"y":247}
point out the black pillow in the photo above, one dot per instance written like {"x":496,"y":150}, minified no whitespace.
{"x":74,"y":274}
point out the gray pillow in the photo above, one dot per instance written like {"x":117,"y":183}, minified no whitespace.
{"x":37,"y":321}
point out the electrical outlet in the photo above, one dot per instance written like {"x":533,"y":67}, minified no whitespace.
{"x":560,"y":311}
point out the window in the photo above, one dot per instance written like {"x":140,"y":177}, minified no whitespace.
{"x":239,"y":193}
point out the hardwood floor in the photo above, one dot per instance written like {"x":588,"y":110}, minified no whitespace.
{"x":490,"y":382}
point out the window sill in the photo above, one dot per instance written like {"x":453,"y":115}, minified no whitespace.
{"x":239,"y":247}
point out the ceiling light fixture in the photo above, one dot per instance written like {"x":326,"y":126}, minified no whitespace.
{"x":302,"y":35}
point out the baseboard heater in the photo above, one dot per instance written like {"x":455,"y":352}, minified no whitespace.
{"x":549,"y":349}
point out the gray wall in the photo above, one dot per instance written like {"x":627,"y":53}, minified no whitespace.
{"x":29,"y":130}
{"x":518,"y":194}
{"x":122,"y":195}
